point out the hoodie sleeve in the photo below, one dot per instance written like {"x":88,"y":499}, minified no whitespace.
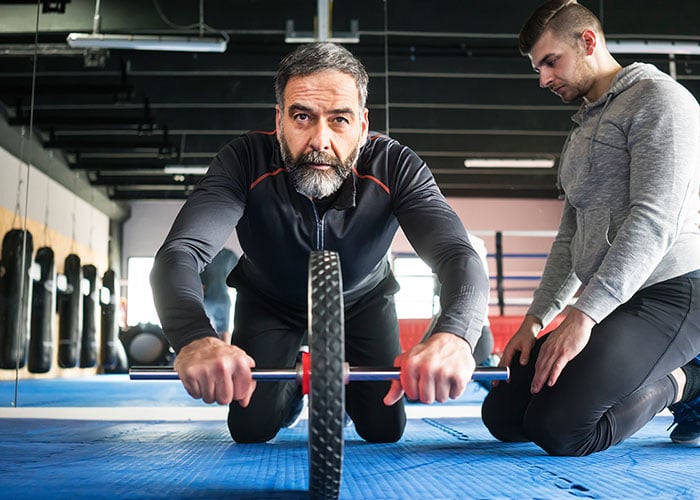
{"x":559,"y":282}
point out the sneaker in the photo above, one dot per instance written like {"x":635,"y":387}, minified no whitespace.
{"x":295,"y":410}
{"x":686,"y":418}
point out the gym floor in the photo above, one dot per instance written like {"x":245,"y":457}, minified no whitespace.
{"x":108,"y":437}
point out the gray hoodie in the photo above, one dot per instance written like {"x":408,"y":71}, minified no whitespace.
{"x":630,"y":173}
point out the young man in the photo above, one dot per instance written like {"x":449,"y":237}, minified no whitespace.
{"x":321,"y":181}
{"x":628,"y":239}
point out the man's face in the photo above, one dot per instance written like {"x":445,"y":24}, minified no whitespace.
{"x":320,"y":130}
{"x":562,"y":67}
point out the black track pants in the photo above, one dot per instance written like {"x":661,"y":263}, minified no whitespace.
{"x":272,"y":333}
{"x":615,"y":385}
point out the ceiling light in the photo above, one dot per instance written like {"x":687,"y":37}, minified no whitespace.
{"x":509,"y":162}
{"x":147,"y":42}
{"x":653,"y":47}
{"x":185,"y":169}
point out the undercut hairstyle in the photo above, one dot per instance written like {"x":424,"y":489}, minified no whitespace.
{"x":564,"y":18}
{"x":316,"y":57}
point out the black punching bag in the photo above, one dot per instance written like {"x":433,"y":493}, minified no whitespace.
{"x":70,"y":314}
{"x":112,"y":354}
{"x":43,"y":313}
{"x":15,"y":290}
{"x":88,"y":348}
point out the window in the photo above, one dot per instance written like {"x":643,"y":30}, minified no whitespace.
{"x":139,"y":297}
{"x":417,"y":298}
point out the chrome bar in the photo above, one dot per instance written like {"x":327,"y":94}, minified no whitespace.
{"x":356,"y":373}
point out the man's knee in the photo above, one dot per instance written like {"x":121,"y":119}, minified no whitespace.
{"x":241,"y":433}
{"x":244,"y":429}
{"x":380,"y":432}
{"x":557,"y":436}
{"x":501,"y":424}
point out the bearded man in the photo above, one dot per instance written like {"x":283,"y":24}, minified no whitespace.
{"x":321,"y":181}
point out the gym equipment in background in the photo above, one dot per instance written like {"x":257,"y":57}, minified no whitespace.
{"x":146,"y":345}
{"x":70,"y":314}
{"x":15,"y":290}
{"x":88,"y":339}
{"x":43,"y":312}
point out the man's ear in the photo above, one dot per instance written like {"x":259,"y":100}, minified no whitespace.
{"x":589,"y":39}
{"x":364,"y":125}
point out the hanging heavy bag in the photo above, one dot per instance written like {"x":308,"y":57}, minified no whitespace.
{"x":43,"y":313}
{"x":109,"y":327}
{"x":88,"y":348}
{"x":70,"y":314}
{"x":15,"y":290}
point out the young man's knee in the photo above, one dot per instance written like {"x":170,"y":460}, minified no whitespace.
{"x":501,"y":424}
{"x":556,"y":440}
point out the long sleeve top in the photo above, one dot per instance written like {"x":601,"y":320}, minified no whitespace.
{"x":248,"y":188}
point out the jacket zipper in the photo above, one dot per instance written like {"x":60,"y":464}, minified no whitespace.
{"x":320,"y":233}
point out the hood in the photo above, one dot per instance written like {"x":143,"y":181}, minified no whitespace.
{"x":632,"y":74}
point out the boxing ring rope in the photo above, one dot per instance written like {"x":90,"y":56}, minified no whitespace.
{"x":501,"y":255}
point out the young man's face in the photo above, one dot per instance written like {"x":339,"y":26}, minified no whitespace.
{"x":562,"y":67}
{"x":321,"y":129}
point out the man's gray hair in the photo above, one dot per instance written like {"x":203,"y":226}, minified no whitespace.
{"x":322,"y":56}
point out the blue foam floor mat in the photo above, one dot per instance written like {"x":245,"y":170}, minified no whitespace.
{"x":446,"y":458}
{"x":437,"y":458}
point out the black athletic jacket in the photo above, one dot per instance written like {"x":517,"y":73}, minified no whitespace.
{"x":248,"y":188}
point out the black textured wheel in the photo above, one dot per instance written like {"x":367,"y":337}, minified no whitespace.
{"x":327,"y":391}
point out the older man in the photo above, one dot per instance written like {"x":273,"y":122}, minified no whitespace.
{"x":320,"y":181}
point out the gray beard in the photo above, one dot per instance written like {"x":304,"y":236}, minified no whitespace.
{"x":314,"y":183}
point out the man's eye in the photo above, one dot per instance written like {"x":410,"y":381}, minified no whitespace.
{"x":301,"y":116}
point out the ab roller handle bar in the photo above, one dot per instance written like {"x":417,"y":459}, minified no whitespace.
{"x":352,"y":373}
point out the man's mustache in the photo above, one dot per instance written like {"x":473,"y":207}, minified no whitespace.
{"x":318,"y":158}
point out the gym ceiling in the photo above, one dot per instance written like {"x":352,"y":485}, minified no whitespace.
{"x":445,"y":79}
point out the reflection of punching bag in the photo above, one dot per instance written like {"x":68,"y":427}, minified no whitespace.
{"x":88,"y":349}
{"x":70,"y":314}
{"x":110,"y":352}
{"x":43,"y":313}
{"x":15,"y":290}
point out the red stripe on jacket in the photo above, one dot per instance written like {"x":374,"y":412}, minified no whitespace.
{"x":373,"y":179}
{"x":264,"y":176}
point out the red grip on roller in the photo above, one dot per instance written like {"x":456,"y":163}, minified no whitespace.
{"x":305,"y":372}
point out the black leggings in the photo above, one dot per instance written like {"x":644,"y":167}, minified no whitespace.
{"x":615,"y":385}
{"x":272,"y":333}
